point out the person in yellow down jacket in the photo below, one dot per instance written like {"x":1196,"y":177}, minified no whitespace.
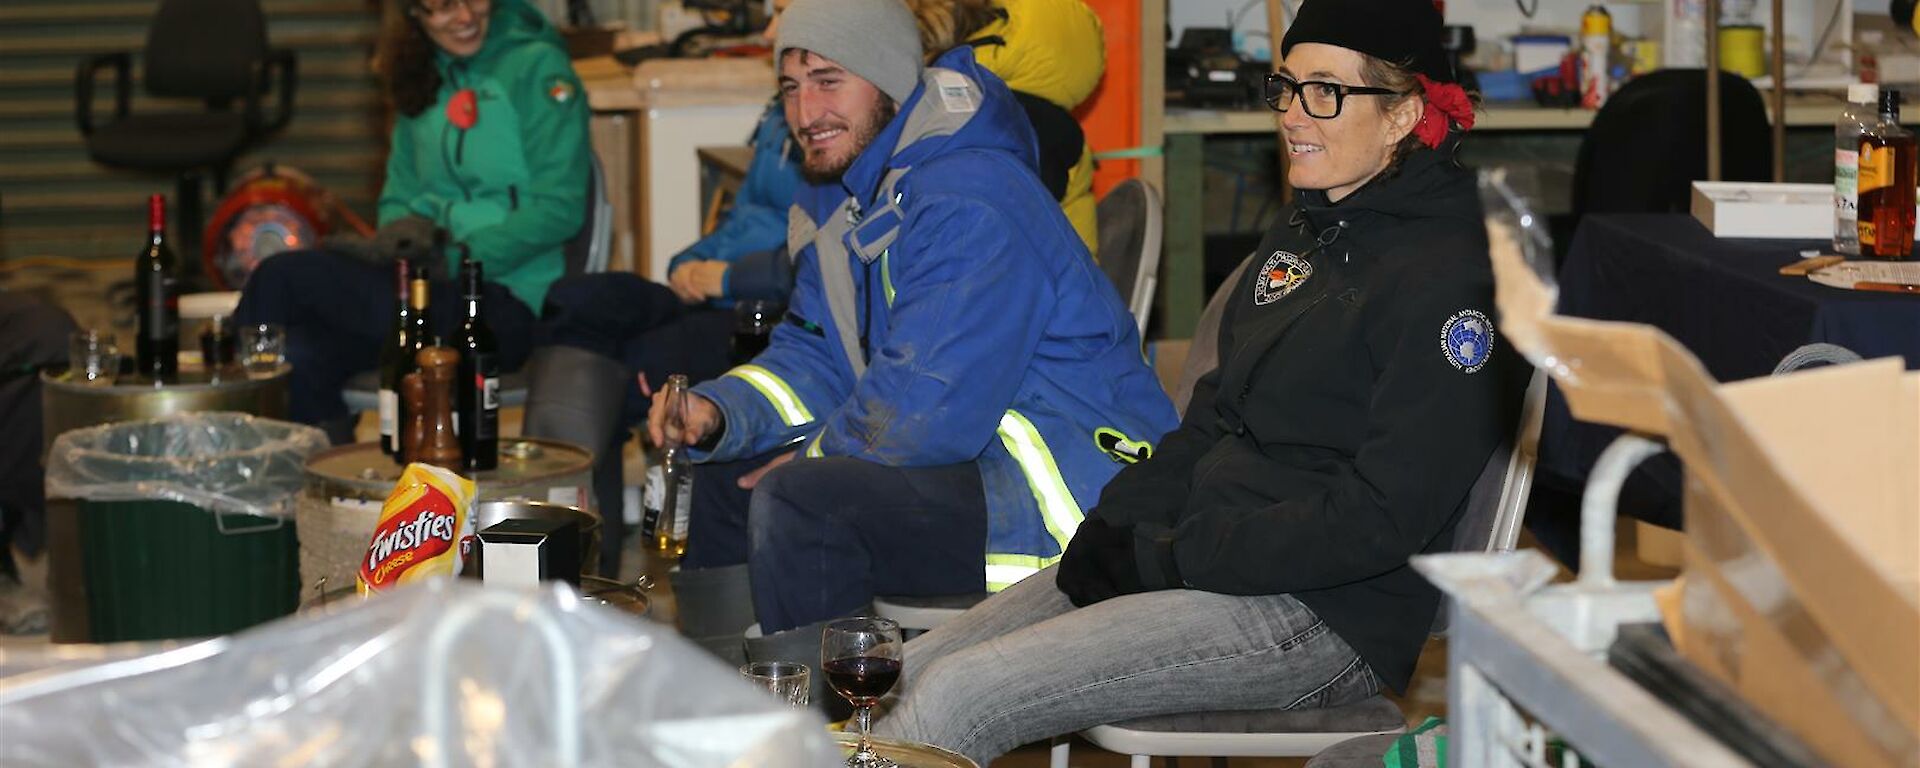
{"x":1051,"y":53}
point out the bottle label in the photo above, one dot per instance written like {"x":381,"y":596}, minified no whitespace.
{"x":667,"y":500}
{"x":1876,"y":168}
{"x":490,"y":393}
{"x":389,"y":413}
{"x":652,"y":493}
{"x":681,"y":509}
{"x":1846,"y":184}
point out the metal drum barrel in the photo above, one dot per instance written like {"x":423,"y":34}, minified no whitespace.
{"x":346,"y":486}
{"x":67,"y":405}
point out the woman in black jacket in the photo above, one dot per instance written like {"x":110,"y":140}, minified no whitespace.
{"x":1258,"y":558}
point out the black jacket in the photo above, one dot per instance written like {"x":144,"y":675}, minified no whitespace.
{"x":1351,"y":413}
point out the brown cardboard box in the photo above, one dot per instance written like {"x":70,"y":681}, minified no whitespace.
{"x":1802,"y":585}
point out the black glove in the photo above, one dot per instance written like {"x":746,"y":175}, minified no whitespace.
{"x":410,"y":238}
{"x":1098,"y":564}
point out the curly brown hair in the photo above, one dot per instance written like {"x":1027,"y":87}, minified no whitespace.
{"x":404,"y":60}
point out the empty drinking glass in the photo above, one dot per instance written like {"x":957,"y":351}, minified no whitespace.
{"x":263,"y":348}
{"x":787,"y":680}
{"x":92,"y":359}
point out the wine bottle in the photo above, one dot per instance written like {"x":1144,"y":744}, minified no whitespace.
{"x":393,"y":362}
{"x":157,"y":349}
{"x":477,"y":381}
{"x":419,"y":337}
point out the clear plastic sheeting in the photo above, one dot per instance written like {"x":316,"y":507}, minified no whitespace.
{"x":437,"y":674}
{"x":227,"y":463}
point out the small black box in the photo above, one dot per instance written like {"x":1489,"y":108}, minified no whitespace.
{"x":552,"y":551}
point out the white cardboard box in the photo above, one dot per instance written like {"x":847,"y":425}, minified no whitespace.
{"x":1760,"y":210}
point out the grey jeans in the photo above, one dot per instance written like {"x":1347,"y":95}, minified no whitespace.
{"x":1026,"y":665}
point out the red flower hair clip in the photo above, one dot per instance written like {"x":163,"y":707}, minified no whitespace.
{"x":1446,"y":102}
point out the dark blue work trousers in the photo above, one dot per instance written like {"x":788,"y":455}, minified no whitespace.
{"x":338,"y":311}
{"x":822,"y":537}
{"x":640,"y":323}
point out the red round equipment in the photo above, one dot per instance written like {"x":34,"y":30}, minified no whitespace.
{"x":272,"y":210}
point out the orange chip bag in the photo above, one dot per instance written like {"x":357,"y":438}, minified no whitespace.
{"x":423,"y":527}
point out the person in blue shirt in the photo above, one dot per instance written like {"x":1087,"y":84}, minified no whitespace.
{"x":606,"y":340}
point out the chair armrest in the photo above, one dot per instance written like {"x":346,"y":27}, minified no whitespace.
{"x":287,"y":65}
{"x":122,"y":63}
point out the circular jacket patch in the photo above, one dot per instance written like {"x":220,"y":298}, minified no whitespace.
{"x":1283,"y":274}
{"x":560,"y":90}
{"x":1467,"y":340}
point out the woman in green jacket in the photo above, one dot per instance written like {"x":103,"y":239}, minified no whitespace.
{"x":489,"y":146}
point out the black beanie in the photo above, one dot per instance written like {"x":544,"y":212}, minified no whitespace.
{"x":1404,"y":32}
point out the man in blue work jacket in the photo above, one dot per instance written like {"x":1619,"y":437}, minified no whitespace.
{"x":956,"y":379}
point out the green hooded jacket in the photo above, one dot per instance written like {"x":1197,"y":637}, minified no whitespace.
{"x":513,"y":184}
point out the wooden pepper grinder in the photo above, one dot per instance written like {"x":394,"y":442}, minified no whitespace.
{"x":439,"y":445}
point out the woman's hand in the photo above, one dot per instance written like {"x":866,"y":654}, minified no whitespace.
{"x":698,"y":281}
{"x":1098,"y":564}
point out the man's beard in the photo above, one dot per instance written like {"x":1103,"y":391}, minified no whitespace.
{"x":863,"y":134}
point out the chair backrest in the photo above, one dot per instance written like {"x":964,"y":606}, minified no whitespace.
{"x":1498,"y":500}
{"x":1129,"y":221}
{"x":588,"y":251}
{"x":1648,"y":144}
{"x":205,"y":49}
{"x":1203,"y":354}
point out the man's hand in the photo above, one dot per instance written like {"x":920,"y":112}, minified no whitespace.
{"x":702,"y":417}
{"x":752,"y":479}
{"x":697,"y":281}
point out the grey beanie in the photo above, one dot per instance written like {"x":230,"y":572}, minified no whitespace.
{"x":875,"y":39}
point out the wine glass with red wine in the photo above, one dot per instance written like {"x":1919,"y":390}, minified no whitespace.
{"x":861,"y":657}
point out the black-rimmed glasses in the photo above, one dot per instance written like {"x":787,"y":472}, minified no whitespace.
{"x":1322,"y":99}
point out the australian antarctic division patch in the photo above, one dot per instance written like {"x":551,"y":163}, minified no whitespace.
{"x":1282,"y":274}
{"x":1467,"y":340}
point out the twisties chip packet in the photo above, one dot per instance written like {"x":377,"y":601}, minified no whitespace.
{"x":423,"y":527}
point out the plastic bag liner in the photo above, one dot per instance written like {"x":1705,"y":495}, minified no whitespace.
{"x":434,"y":674}
{"x":226,"y":463}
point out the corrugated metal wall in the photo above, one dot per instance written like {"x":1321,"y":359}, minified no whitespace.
{"x":54,"y":201}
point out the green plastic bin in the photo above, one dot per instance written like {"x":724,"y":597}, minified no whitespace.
{"x":185,"y":523}
{"x":165,"y":569}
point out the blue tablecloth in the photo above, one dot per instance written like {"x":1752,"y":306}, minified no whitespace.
{"x":1724,"y":300}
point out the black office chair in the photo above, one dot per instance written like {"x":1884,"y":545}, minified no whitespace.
{"x":211,"y":51}
{"x":1648,"y":145}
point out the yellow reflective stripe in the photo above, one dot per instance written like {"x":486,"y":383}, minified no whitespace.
{"x":792,"y":411}
{"x":1057,"y":505}
{"x":886,"y":276}
{"x":1006,"y":570}
{"x":813,"y":449}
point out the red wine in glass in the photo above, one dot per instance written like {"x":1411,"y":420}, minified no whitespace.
{"x":861,"y":657}
{"x":862,"y":679}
